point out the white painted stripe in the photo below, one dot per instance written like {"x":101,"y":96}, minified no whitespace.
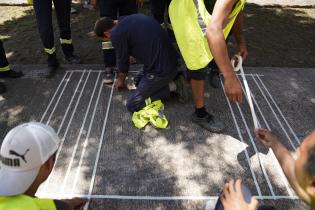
{"x":279,"y":169}
{"x":255,"y":148}
{"x":133,"y":71}
{"x":156,"y":198}
{"x":63,"y":89}
{"x":100,"y":146}
{"x":70,"y":103}
{"x":86,"y":141}
{"x":242,"y":140}
{"x":79,"y":136}
{"x":279,"y":110}
{"x":53,"y":98}
{"x":67,"y":129}
{"x":278,"y":120}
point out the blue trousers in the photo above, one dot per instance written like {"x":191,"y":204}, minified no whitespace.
{"x":114,"y":9}
{"x":149,"y":85}
{"x":3,"y":58}
{"x":43,"y":12}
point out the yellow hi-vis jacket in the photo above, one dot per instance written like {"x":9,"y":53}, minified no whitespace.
{"x":189,"y":20}
{"x":23,"y":202}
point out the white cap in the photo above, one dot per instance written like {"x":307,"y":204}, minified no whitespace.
{"x":24,"y":150}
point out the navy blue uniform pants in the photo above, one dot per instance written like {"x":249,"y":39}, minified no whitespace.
{"x":158,"y":8}
{"x":148,"y":85}
{"x":3,"y":58}
{"x":114,"y":9}
{"x":43,"y":12}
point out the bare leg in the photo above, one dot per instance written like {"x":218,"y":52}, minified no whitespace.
{"x":198,"y":90}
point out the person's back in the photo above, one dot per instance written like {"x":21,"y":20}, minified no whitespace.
{"x":147,"y":42}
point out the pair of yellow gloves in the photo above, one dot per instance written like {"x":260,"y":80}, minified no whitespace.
{"x":153,"y":113}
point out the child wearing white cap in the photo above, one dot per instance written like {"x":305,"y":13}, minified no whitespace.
{"x":27,"y":158}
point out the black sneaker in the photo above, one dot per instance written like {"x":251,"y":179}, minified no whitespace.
{"x":214,"y":78}
{"x":109,"y":75}
{"x":11,"y":74}
{"x":181,"y":88}
{"x":208,"y":122}
{"x":2,"y":88}
{"x":72,"y":59}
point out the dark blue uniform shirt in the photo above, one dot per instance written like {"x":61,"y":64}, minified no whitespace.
{"x":143,"y":38}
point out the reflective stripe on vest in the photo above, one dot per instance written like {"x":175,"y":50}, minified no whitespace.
{"x":22,"y":202}
{"x":65,"y":41}
{"x":6,"y":68}
{"x":50,"y":51}
{"x":107,"y":45}
{"x":190,"y":33}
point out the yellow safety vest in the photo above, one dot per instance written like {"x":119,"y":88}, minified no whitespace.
{"x":24,"y":202}
{"x":190,"y":19}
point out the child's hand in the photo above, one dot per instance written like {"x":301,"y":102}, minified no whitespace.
{"x":266,"y":137}
{"x":232,"y":197}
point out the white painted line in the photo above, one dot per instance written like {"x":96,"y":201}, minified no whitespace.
{"x":133,"y":71}
{"x":70,"y":103}
{"x":255,"y":148}
{"x":79,"y":136}
{"x":285,"y":181}
{"x":242,"y":140}
{"x":52,"y":99}
{"x":63,"y":89}
{"x":100,"y":146}
{"x":66,"y":132}
{"x":279,"y":110}
{"x":278,"y":120}
{"x":86,"y":141}
{"x":155,"y":198}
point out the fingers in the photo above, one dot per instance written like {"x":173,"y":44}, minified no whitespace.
{"x":261,"y":133}
{"x":253,"y":204}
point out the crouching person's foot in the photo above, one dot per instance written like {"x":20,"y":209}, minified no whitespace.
{"x":208,"y":122}
{"x":2,"y":88}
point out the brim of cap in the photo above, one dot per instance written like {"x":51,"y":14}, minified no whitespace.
{"x":15,"y":183}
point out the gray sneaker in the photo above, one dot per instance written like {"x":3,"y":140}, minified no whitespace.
{"x":181,"y":89}
{"x":208,"y":122}
{"x":109,"y":75}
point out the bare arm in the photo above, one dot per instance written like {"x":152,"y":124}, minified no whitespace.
{"x":285,"y":159}
{"x":218,"y":48}
{"x":239,"y":36}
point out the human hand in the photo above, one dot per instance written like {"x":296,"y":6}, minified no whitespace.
{"x":119,"y":84}
{"x":76,"y":203}
{"x":233,"y":89}
{"x":232,"y":197}
{"x":266,"y":137}
{"x":140,"y":3}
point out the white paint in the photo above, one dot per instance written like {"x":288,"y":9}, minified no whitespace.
{"x":155,"y":198}
{"x":70,"y":121}
{"x":52,"y":99}
{"x":278,"y":120}
{"x":242,"y":140}
{"x":63,"y":89}
{"x":79,"y":136}
{"x":279,"y":169}
{"x":279,"y":110}
{"x":100,"y":146}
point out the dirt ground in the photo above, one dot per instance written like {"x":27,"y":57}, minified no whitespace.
{"x":277,"y":36}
